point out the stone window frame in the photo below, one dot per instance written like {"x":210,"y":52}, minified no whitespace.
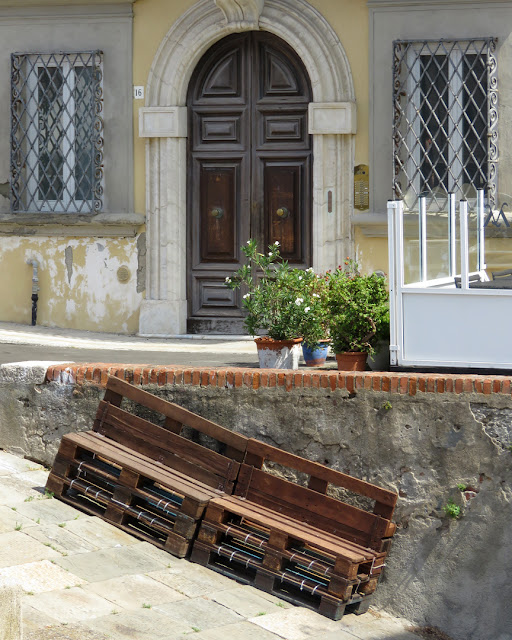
{"x":163,"y":122}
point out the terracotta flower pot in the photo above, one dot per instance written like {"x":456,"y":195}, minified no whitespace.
{"x":352,"y":360}
{"x":278,"y":354}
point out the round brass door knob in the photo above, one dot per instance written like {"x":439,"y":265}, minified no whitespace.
{"x":217,"y":213}
{"x":282,"y":212}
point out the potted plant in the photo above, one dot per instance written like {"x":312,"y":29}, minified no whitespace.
{"x":358,"y":307}
{"x":313,"y":322}
{"x":273,"y":303}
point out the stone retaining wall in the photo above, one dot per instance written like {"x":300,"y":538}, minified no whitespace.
{"x":418,"y":434}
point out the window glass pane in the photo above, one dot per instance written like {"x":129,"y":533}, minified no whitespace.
{"x":57,"y":132}
{"x":445,"y":120}
{"x":50,"y":133}
{"x":434,"y":119}
{"x":84,"y":124}
{"x":474,"y":124}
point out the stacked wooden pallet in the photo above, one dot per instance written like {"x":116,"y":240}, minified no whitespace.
{"x":146,"y":478}
{"x":298,"y":542}
{"x":177,"y":480}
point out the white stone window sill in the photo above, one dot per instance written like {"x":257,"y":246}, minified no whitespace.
{"x":71,"y":224}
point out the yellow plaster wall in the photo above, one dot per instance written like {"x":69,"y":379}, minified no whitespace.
{"x":154,"y":18}
{"x":79,"y":289}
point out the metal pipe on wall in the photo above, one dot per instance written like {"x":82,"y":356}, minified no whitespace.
{"x":35,"y":288}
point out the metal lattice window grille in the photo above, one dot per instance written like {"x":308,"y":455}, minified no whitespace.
{"x":445,"y":117}
{"x":57,"y":132}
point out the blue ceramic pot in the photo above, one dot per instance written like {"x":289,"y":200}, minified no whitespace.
{"x":314,"y":357}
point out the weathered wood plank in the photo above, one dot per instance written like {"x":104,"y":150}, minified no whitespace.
{"x":262,"y":451}
{"x":179,"y":414}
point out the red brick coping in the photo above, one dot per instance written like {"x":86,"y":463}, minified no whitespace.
{"x":403,"y":383}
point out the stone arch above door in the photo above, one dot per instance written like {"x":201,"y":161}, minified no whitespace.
{"x":163,"y":121}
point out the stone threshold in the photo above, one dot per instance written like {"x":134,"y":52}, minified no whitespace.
{"x":405,"y":383}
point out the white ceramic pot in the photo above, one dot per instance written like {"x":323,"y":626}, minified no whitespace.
{"x":278,"y":354}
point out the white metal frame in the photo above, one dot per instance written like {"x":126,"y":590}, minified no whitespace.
{"x":435,"y":324}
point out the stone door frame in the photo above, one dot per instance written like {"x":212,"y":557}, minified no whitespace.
{"x":163,"y":122}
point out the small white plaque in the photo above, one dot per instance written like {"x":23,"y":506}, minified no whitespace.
{"x":138,"y":93}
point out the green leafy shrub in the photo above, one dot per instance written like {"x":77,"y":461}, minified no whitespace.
{"x":358,"y":308}
{"x":280,"y":301}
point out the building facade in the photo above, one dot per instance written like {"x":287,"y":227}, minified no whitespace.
{"x":144,"y":142}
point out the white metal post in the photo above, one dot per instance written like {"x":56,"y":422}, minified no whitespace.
{"x":464,"y":245}
{"x":392,"y":257}
{"x":452,"y":234}
{"x":480,"y":217}
{"x":423,"y":237}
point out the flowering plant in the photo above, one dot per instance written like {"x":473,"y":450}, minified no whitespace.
{"x":277,"y":298}
{"x":358,"y":307}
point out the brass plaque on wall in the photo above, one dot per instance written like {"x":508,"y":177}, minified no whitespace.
{"x":361,"y":187}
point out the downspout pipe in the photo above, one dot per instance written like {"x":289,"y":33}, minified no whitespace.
{"x":35,"y":288}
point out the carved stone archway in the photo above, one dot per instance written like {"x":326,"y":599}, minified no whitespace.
{"x":163,"y":121}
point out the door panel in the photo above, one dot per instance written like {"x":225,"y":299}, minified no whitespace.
{"x":284,"y":189}
{"x":219,"y":187}
{"x":249,"y":168}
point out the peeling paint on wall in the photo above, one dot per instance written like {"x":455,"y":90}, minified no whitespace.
{"x":79,"y":288}
{"x":68,"y":258}
{"x":141,"y":263}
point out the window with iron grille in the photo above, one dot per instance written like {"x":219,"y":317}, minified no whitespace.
{"x":56,"y":132}
{"x":444,"y":120}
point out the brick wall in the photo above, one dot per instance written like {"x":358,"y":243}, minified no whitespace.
{"x":402,"y":383}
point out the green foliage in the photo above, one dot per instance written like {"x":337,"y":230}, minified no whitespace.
{"x":452,"y":510}
{"x":387,"y":405}
{"x":284,"y":303}
{"x":281,"y":301}
{"x":358,"y":308}
{"x":461,"y":486}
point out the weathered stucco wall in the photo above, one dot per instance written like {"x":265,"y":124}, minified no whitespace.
{"x":81,"y":285}
{"x":418,"y":435}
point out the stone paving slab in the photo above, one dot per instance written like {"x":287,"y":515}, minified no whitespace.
{"x":70,"y":605}
{"x":131,"y":592}
{"x":298,"y":624}
{"x":145,"y":624}
{"x":11,"y":519}
{"x":248,"y":601}
{"x":31,"y":490}
{"x":192,"y":580}
{"x":59,"y":538}
{"x":65,"y":632}
{"x":96,"y":531}
{"x":10,"y":464}
{"x":242,"y":630}
{"x":37,"y":577}
{"x":35,"y":621}
{"x":110,"y":563}
{"x":19,"y":548}
{"x":376,"y":626}
{"x":199,"y":613}
{"x":48,"y":511}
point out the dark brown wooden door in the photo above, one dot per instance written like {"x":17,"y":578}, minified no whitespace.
{"x":249,"y":170}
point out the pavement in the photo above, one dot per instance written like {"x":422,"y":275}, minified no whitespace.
{"x":83,"y":579}
{"x":20,"y":343}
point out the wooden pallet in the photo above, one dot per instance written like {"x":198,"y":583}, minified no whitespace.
{"x":297,"y":542}
{"x":146,"y":478}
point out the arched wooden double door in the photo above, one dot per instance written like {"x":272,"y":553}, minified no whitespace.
{"x":249,"y":172}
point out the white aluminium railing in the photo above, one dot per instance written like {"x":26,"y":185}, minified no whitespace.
{"x":436,"y":322}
